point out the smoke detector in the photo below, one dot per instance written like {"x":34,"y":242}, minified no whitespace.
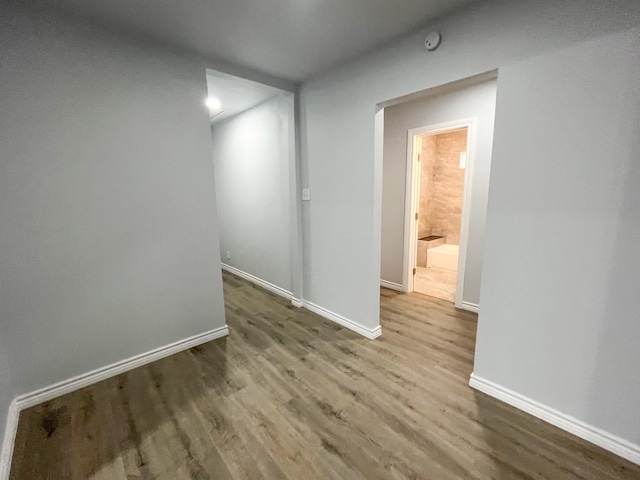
{"x":433,"y":41}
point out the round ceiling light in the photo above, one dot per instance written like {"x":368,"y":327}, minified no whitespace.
{"x":213,"y":103}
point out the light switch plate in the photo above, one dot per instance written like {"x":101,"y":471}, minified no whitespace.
{"x":306,"y":194}
{"x":463,"y":159}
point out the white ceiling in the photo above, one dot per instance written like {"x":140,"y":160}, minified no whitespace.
{"x":290,"y":39}
{"x":237,"y":94}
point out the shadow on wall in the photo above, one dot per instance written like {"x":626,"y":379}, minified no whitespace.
{"x":615,"y":381}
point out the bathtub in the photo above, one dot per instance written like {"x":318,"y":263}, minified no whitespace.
{"x":444,"y":257}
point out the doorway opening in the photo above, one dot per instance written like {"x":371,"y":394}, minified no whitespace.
{"x":439,"y":161}
{"x":256,"y":176}
{"x":405,"y":125}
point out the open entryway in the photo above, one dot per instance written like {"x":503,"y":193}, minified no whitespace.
{"x":435,"y":148}
{"x":256,"y":182}
{"x":437,"y":225}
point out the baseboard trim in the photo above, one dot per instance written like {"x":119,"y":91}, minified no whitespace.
{"x":471,"y":307}
{"x":345,"y":322}
{"x":8,"y":442}
{"x":258,"y":281}
{"x":67,"y":386}
{"x":391,"y":285}
{"x":95,"y":376}
{"x":592,"y":434}
{"x":297,"y":302}
{"x":323,"y":312}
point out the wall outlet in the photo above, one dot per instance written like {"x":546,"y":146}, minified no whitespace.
{"x":306,"y":194}
{"x":228,"y":255}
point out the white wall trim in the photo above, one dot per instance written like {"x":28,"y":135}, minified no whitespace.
{"x":345,"y":322}
{"x":412,"y":200}
{"x":9,"y":440}
{"x":67,"y":386}
{"x":592,"y":434}
{"x":391,"y":285}
{"x":411,"y":208}
{"x":258,"y":281}
{"x":95,"y":376}
{"x":295,"y":187}
{"x":323,"y":312}
{"x":471,"y":307}
{"x":467,"y":195}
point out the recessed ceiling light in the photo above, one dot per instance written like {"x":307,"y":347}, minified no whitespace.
{"x":213,"y":103}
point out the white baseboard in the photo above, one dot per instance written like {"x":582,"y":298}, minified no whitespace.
{"x":258,"y":281}
{"x":323,"y":312}
{"x":95,"y":376}
{"x":8,"y":442}
{"x":471,"y":307}
{"x":345,"y":322}
{"x":61,"y":388}
{"x":391,"y":285}
{"x":592,"y":434}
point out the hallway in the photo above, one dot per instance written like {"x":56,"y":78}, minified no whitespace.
{"x":291,"y":395}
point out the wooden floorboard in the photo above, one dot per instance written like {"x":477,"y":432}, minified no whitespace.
{"x":289,"y":395}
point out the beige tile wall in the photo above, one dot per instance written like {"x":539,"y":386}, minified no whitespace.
{"x":442,"y":185}
{"x":427,"y":175}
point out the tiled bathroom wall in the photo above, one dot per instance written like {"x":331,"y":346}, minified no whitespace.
{"x":442,"y":185}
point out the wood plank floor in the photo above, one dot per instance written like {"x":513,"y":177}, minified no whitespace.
{"x":290,"y":395}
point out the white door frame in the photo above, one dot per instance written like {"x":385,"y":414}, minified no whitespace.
{"x":412,"y":201}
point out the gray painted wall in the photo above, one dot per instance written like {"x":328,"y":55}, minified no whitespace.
{"x":559,"y":316}
{"x":6,"y":393}
{"x":251,"y":161}
{"x":109,"y":242}
{"x":475,"y":101}
{"x":342,"y":234}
